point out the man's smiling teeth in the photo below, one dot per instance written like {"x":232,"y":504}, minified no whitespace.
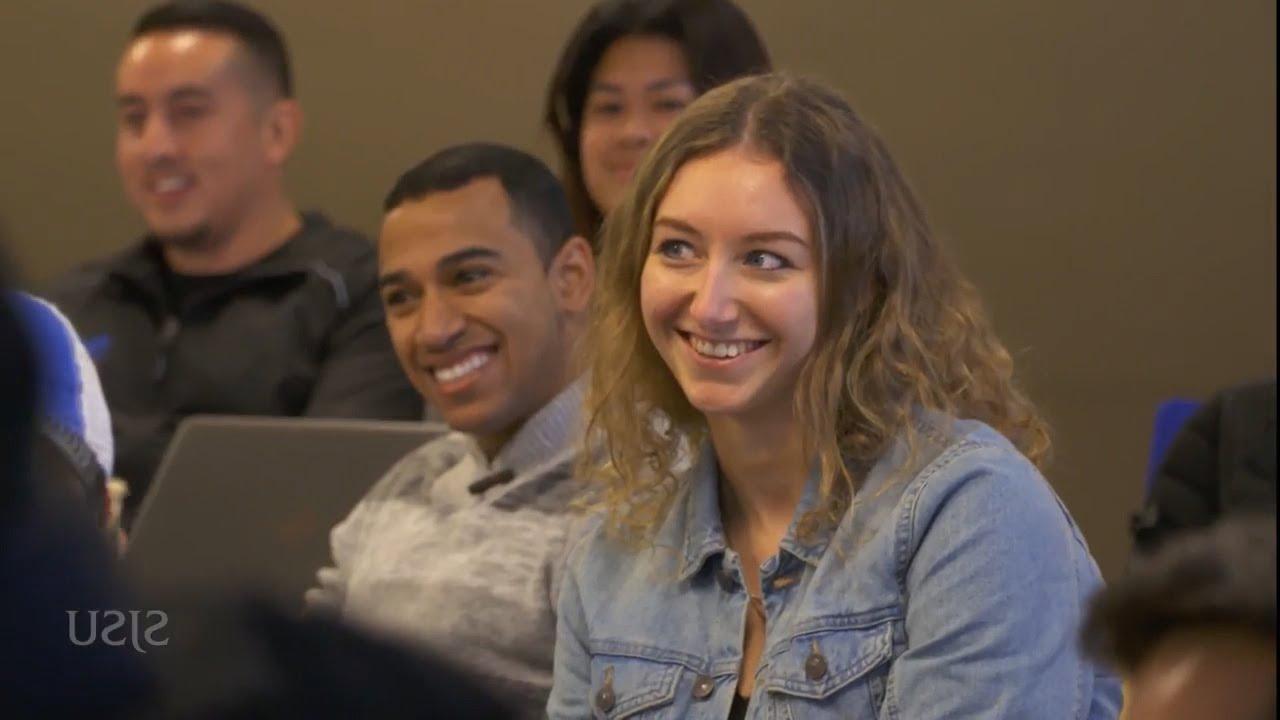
{"x":722,"y":349}
{"x":469,"y":364}
{"x":170,"y":184}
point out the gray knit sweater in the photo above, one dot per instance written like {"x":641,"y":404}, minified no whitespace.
{"x":448,"y":551}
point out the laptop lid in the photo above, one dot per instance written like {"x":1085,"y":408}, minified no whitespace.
{"x":248,"y":502}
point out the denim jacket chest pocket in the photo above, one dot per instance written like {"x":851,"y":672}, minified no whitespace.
{"x":831,"y":668}
{"x":629,"y":681}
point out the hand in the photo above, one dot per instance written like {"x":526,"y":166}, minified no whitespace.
{"x":117,"y":491}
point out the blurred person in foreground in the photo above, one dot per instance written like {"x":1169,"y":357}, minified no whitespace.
{"x":72,"y":449}
{"x":1193,"y":626}
{"x":240,"y":657}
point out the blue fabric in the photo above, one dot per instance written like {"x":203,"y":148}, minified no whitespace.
{"x":97,"y":346}
{"x":71,"y":407}
{"x":1171,"y":415}
{"x":954,"y":588}
{"x":60,"y":386}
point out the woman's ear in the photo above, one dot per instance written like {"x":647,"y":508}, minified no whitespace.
{"x":573,"y":275}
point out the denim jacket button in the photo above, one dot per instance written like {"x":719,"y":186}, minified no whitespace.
{"x":815,"y":666}
{"x":605,"y":698}
{"x":703,"y":687}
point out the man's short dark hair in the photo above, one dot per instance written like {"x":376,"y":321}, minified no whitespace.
{"x":1223,"y":576}
{"x":253,"y":30}
{"x":538,"y":203}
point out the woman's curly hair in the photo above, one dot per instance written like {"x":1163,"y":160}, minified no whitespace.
{"x":900,"y":330}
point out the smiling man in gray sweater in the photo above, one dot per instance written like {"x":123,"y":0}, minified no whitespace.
{"x":459,"y":546}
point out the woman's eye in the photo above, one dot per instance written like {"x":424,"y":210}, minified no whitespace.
{"x":605,"y":108}
{"x":766,"y":260}
{"x":671,"y":105}
{"x":675,"y":249}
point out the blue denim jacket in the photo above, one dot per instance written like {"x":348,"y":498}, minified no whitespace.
{"x":953,"y":591}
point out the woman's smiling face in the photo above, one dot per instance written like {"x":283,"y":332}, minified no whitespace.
{"x":728,"y":292}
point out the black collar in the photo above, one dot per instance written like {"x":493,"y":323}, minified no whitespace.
{"x":142,"y":265}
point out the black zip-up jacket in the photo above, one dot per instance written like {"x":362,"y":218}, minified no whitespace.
{"x":1222,"y":462}
{"x":299,"y":332}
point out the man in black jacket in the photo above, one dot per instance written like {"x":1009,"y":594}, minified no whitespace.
{"x":234,"y":302}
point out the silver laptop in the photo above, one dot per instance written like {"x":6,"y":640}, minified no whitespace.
{"x":248,"y":503}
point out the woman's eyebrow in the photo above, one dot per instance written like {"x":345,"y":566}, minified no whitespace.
{"x":654,"y":86}
{"x":775,"y":235}
{"x":677,"y":225}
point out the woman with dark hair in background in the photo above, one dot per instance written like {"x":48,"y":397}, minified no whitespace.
{"x":628,"y":69}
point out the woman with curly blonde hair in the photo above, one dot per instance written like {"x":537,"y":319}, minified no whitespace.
{"x":821,"y":486}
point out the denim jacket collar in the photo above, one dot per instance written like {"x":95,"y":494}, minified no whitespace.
{"x":694,"y":522}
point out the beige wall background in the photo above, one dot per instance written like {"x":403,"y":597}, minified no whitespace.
{"x":1106,"y":170}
